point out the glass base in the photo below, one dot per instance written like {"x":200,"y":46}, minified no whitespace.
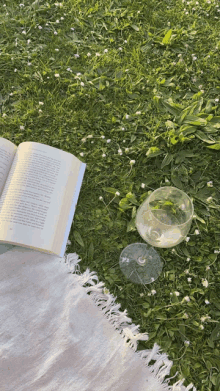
{"x":140,"y":263}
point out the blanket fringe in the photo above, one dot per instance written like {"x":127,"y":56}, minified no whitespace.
{"x":120,"y":321}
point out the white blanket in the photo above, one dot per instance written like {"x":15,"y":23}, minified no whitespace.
{"x":60,"y":332}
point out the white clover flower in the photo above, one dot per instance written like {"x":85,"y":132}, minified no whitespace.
{"x":187,"y":239}
{"x":125,"y":41}
{"x":209,"y":199}
{"x":138,"y":112}
{"x":205,"y":283}
{"x":127,"y":116}
{"x":81,"y":154}
{"x":105,"y":291}
{"x":207,"y":302}
{"x":126,"y":149}
{"x":57,"y":50}
{"x":186,"y":343}
{"x":201,"y":327}
{"x":40,"y":111}
{"x":90,"y":136}
{"x":15,"y":70}
{"x":203,"y":318}
{"x":22,"y":127}
{"x":153,"y":292}
{"x":55,"y":32}
{"x":141,"y":294}
{"x":177,"y":293}
{"x":102,"y":136}
{"x":106,"y":51}
{"x":76,"y":55}
{"x":97,"y":54}
{"x":187,"y":259}
{"x":124,"y":259}
{"x":186,"y":271}
{"x":103,"y":155}
{"x":132,"y":162}
{"x":216,"y":100}
{"x":100,"y":198}
{"x":82,"y":84}
{"x":4,"y":115}
{"x":189,"y":279}
{"x":207,"y":268}
{"x":143,"y":185}
{"x":186,"y":316}
{"x":40,"y":27}
{"x":210,"y":184}
{"x":196,"y":232}
{"x":88,"y":54}
{"x":120,"y":151}
{"x":122,"y":128}
{"x":57,"y":75}
{"x":24,"y":32}
{"x":117,"y":193}
{"x":109,"y":140}
{"x":41,"y":103}
{"x":186,"y":298}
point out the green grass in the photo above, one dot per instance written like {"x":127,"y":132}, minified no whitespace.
{"x":139,"y":105}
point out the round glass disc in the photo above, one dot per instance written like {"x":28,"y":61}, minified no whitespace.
{"x":140,"y":263}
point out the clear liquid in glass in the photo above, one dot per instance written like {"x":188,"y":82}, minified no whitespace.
{"x":163,"y":231}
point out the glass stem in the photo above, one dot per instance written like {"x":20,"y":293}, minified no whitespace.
{"x":141,"y":261}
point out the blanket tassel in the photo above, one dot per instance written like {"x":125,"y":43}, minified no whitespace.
{"x":104,"y":300}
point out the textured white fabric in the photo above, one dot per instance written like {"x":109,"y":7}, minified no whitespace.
{"x":54,"y":337}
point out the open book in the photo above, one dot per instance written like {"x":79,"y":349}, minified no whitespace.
{"x":39,"y":189}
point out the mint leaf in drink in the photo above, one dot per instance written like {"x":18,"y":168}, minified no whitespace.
{"x":170,"y":207}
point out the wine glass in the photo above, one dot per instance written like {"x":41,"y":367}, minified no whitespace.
{"x":163,"y":220}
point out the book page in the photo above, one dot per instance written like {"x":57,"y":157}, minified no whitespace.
{"x":68,"y":207}
{"x":32,"y":198}
{"x":7,"y":153}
